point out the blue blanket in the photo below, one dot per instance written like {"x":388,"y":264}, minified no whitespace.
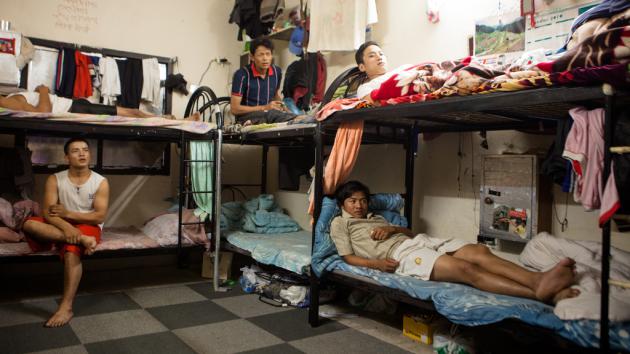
{"x":258,"y":215}
{"x":459,"y":303}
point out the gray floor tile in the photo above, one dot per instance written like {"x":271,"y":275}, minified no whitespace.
{"x":165,"y":342}
{"x":248,"y":305}
{"x":207,"y":290}
{"x":26,"y":312}
{"x":220,"y":337}
{"x":280,"y":348}
{"x":164,"y":296}
{"x":292,"y":325}
{"x":346,"y":341}
{"x":191,"y":314}
{"x":33,"y":337}
{"x":75,"y":349}
{"x":115,"y":325}
{"x":86,"y":305}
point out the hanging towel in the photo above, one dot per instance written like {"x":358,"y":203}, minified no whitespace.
{"x":151,"y":81}
{"x":110,"y":80}
{"x":339,"y":26}
{"x":202,"y":174}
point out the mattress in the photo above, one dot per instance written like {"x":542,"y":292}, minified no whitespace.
{"x":290,"y":251}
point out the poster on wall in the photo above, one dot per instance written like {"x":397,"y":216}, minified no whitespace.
{"x":553,"y":20}
{"x":499,"y":35}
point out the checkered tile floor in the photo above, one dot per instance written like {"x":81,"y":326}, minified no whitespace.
{"x":187,"y":318}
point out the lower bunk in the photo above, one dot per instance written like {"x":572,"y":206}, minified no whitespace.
{"x":460,"y":304}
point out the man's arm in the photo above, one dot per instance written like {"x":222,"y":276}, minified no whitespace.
{"x":385,"y":265}
{"x":238,"y":109}
{"x":18,"y":102}
{"x":384,"y":232}
{"x":51,"y":197}
{"x":101,"y":202}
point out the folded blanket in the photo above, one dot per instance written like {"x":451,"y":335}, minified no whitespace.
{"x":259,"y":215}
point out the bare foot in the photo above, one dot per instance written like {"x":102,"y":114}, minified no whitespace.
{"x":194,"y":117}
{"x":555,"y":280}
{"x":89,"y":243}
{"x":248,"y":122}
{"x":60,"y":318}
{"x":566,"y":293}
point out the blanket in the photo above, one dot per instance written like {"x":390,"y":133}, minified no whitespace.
{"x":545,"y":250}
{"x":258,"y":215}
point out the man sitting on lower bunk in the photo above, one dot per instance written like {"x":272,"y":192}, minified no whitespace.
{"x":74,"y":208}
{"x":45,"y":102}
{"x":367,"y":240}
{"x":255,"y":94}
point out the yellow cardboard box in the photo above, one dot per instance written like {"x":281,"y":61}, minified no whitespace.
{"x":418,"y":328}
{"x":225,"y":265}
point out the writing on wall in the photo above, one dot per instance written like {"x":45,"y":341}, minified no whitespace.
{"x":76,"y":15}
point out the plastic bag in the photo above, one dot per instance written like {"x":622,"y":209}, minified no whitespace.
{"x":250,"y":281}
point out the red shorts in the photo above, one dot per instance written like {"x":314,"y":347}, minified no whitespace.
{"x":40,"y":246}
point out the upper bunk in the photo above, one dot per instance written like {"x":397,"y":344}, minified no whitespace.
{"x":525,"y":109}
{"x":140,"y":129}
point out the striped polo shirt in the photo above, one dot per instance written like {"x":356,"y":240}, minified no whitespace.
{"x":255,"y":89}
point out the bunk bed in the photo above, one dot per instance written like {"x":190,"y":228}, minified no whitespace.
{"x":529,"y":110}
{"x":23,"y":124}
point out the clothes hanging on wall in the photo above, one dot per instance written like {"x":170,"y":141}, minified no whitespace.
{"x":339,"y":26}
{"x":110,"y":80}
{"x":82,"y":80}
{"x":130,"y":72}
{"x":305,"y":81}
{"x":294,"y":162}
{"x":151,"y":81}
{"x":270,"y":10}
{"x":66,"y":73}
{"x":246,"y":14}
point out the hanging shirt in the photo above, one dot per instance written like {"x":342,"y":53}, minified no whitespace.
{"x":339,"y":25}
{"x":151,"y":81}
{"x":255,"y":89}
{"x":82,"y":80}
{"x":110,"y":80}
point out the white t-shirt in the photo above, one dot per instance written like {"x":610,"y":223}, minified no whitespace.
{"x":366,"y":88}
{"x":339,"y":25}
{"x":79,"y":198}
{"x":59,"y":104}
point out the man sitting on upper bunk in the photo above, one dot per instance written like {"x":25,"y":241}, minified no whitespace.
{"x":45,"y":102}
{"x":255,"y":94}
{"x":367,"y":240}
{"x":74,"y":208}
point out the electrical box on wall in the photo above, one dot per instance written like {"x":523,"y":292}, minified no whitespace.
{"x":515,"y":202}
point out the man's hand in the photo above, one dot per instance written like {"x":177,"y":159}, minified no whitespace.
{"x":58,"y":210}
{"x":382,"y":232}
{"x":42,"y":89}
{"x":277,"y":105}
{"x":386,"y":265}
{"x":72,"y":234}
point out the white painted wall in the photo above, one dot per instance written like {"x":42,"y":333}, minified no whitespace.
{"x":194,"y":31}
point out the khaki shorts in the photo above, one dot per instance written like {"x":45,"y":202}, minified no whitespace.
{"x":417,"y":256}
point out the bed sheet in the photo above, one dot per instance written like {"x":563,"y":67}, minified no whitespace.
{"x":290,"y":251}
{"x":463,"y":304}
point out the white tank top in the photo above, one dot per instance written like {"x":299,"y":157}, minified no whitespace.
{"x":59,"y":104}
{"x":78,"y":198}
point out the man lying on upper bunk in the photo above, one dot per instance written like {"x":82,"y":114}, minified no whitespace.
{"x":75,"y":205}
{"x":367,"y":240}
{"x":45,"y":102}
{"x":255,"y":94}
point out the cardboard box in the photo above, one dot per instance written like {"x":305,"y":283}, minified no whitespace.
{"x":418,"y":328}
{"x":225,"y":265}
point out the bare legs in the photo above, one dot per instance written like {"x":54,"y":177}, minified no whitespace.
{"x":475,"y":265}
{"x":73,"y":268}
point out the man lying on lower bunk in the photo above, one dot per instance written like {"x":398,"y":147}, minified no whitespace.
{"x":74,"y":208}
{"x":367,"y":240}
{"x":45,"y":102}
